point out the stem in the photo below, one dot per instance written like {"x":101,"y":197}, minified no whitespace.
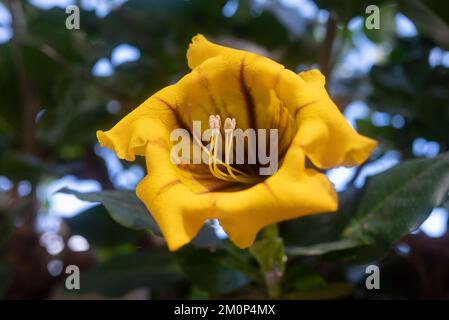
{"x":273,"y":283}
{"x":270,"y":254}
{"x":273,"y":277}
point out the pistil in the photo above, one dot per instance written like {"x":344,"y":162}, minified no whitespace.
{"x":232,"y":175}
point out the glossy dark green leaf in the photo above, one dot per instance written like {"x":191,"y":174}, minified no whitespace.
{"x":127,"y":210}
{"x":323,"y":248}
{"x":399,"y":200}
{"x":394,"y":203}
{"x":97,"y":225}
{"x":123,"y":206}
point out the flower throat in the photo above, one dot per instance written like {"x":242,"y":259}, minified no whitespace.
{"x":234,"y":142}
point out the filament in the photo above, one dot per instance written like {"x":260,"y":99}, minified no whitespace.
{"x":231,"y":174}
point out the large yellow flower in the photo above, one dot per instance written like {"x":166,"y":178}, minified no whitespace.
{"x":258,"y":93}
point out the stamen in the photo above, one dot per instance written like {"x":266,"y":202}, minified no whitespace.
{"x":232,"y":174}
{"x":229,"y":126}
{"x":214,"y":123}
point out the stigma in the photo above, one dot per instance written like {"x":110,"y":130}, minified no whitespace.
{"x":219,"y":169}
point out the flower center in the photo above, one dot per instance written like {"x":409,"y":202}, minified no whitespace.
{"x":224,"y":170}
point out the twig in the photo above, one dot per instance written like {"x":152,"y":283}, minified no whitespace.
{"x":325,"y":57}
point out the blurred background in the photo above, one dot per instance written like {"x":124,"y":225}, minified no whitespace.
{"x":58,"y":86}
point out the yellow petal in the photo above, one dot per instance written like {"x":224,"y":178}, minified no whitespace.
{"x":201,"y":49}
{"x":326,"y":137}
{"x":177,"y":210}
{"x":260,"y":94}
{"x":174,"y":196}
{"x":291,"y":192}
{"x":161,"y":190}
{"x":239,"y":85}
{"x":130,"y":135}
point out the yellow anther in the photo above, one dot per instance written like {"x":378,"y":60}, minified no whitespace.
{"x":232,"y":175}
{"x":229,"y":124}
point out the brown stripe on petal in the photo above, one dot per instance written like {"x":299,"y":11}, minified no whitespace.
{"x":166,"y":187}
{"x":303,"y":106}
{"x":159,"y":142}
{"x":179,"y":120}
{"x":282,"y":121}
{"x":283,"y":125}
{"x":267,"y":186}
{"x":247,"y":96}
{"x":276,"y":115}
{"x":250,"y":106}
{"x":277,"y":78}
{"x":204,"y":83}
{"x":218,"y":107}
{"x":227,"y":114}
{"x":215,"y":188}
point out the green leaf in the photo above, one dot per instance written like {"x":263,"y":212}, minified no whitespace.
{"x":155,"y":270}
{"x":242,"y":260}
{"x":123,"y":206}
{"x":393,"y":204}
{"x":127,"y":210}
{"x":399,"y":200}
{"x":323,"y":248}
{"x":211,"y":271}
{"x":270,"y":254}
{"x":97,"y":225}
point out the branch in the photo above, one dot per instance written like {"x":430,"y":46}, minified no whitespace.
{"x":29,"y":100}
{"x":325,"y":57}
